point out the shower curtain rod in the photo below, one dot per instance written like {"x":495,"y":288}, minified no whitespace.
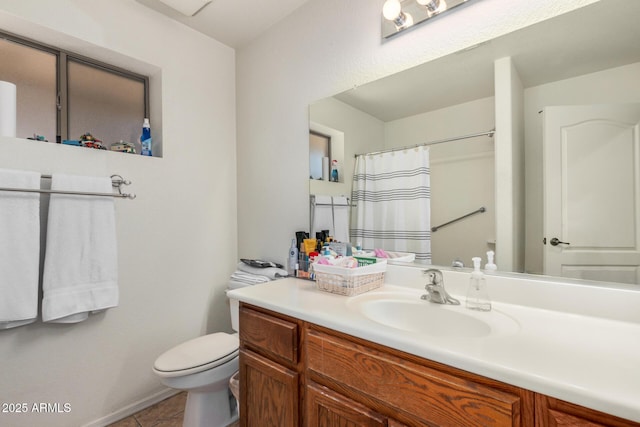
{"x":457,"y":138}
{"x":116,"y":180}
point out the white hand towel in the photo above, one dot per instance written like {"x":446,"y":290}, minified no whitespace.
{"x":321,"y":215}
{"x":19,"y":248}
{"x":80,"y":266}
{"x":341,"y":218}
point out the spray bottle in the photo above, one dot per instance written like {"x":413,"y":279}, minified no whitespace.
{"x":145,"y":138}
{"x":334,"y":171}
{"x":293,"y":258}
{"x":477,"y":294}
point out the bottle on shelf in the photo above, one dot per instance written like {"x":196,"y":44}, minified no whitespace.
{"x":145,"y":138}
{"x":334,"y":171}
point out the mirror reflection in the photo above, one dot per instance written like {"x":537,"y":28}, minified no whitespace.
{"x":563,"y":163}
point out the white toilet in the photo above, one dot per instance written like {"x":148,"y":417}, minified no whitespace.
{"x":203,"y":366}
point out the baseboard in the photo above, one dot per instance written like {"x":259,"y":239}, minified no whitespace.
{"x":133,"y":408}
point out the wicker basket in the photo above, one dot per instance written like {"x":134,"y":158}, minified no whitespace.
{"x":349,"y":281}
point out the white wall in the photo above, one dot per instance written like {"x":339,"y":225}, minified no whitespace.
{"x":296,"y":63}
{"x":177,"y":240}
{"x":614,"y":86}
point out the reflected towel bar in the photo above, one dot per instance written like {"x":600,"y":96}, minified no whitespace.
{"x":481,"y":210}
{"x":116,"y":180}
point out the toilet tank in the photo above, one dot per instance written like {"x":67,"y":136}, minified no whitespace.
{"x":234,"y":306}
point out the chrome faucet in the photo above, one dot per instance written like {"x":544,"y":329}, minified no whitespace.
{"x":435,"y":288}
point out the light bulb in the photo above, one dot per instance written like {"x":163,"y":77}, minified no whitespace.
{"x":433,"y":6}
{"x":391,"y":10}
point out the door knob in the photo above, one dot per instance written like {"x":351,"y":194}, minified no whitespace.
{"x":555,"y":242}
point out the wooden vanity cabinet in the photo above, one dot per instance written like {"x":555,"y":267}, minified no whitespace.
{"x":269,"y":369}
{"x":293,"y":373}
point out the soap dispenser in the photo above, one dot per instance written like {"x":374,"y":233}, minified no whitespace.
{"x":490,"y":265}
{"x":477,"y":294}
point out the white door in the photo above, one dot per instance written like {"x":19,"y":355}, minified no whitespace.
{"x":592,"y":192}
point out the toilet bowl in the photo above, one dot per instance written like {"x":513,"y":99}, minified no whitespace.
{"x":203,"y":367}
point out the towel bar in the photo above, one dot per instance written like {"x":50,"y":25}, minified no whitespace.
{"x":436,"y":228}
{"x":116,"y":180}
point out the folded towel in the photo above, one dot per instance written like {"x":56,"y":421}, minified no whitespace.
{"x":249,"y":278}
{"x":270,"y":272}
{"x":19,"y":249}
{"x":235,"y":284}
{"x":80,"y":268}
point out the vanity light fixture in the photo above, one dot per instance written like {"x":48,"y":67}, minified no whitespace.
{"x":399,"y":15}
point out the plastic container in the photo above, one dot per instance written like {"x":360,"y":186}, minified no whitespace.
{"x":350,"y":281}
{"x":334,"y":171}
{"x":293,"y":258}
{"x":490,"y":266}
{"x":477,"y":294}
{"x":145,"y":138}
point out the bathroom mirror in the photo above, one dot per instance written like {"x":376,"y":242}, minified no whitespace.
{"x":589,"y":56}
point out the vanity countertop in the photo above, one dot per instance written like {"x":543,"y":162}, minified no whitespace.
{"x":583,"y":359}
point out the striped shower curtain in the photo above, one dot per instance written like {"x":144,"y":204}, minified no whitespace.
{"x":391,"y":202}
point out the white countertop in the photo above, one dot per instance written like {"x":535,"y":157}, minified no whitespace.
{"x":581,"y":358}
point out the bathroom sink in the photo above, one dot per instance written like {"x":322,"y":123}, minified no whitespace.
{"x":406,"y":311}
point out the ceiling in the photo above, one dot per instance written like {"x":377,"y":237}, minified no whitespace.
{"x":232,"y":22}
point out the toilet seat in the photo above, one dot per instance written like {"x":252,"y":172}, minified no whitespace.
{"x":197,"y":355}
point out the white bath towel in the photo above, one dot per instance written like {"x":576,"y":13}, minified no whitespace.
{"x":80,"y":267}
{"x":321,"y":214}
{"x":19,"y":248}
{"x":272,"y":273}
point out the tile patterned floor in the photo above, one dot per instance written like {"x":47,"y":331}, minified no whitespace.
{"x":167,"y":413}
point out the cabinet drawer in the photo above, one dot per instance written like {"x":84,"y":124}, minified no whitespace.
{"x":415,"y":390}
{"x":270,"y":335}
{"x":552,"y":412}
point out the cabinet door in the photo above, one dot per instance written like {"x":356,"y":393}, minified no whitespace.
{"x":268,"y":393}
{"x":326,"y":408}
{"x":552,"y":412}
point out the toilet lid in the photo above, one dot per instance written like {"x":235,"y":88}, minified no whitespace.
{"x":198,"y":354}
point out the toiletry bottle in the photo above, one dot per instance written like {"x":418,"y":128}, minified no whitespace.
{"x":334,"y":171}
{"x":477,"y":294}
{"x":145,"y":138}
{"x":293,"y":258}
{"x":490,"y":265}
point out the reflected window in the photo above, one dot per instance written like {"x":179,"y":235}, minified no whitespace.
{"x":107,"y":104}
{"x":319,"y":155}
